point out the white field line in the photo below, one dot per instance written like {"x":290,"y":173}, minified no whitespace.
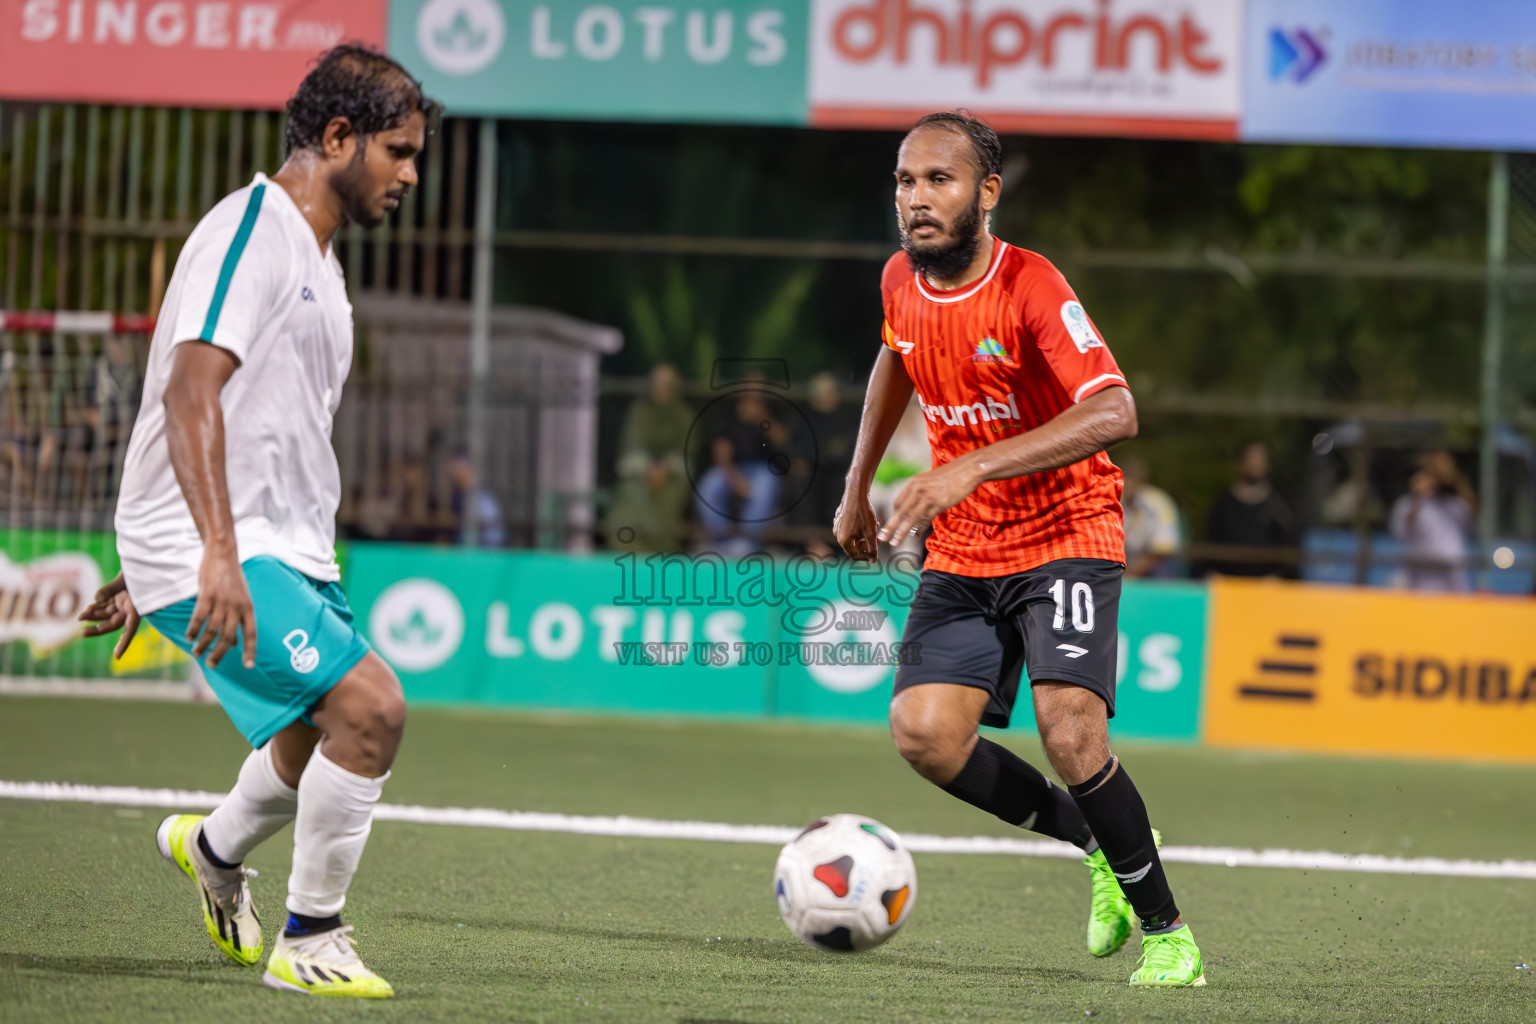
{"x":111,"y":689}
{"x":777,"y":835}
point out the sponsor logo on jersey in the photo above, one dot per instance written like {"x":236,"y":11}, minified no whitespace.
{"x":301,"y":655}
{"x":1075,"y":319}
{"x":990,"y":350}
{"x":984,"y":410}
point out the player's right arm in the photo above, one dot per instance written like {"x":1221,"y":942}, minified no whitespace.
{"x":194,"y":433}
{"x":235,"y":275}
{"x":890,"y":390}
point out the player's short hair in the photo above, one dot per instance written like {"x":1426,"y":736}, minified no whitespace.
{"x":985,"y":145}
{"x":361,"y":84}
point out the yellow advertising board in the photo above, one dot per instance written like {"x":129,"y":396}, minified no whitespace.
{"x":1344,"y":669}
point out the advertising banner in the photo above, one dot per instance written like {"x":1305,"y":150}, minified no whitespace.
{"x":685,"y":634}
{"x":551,"y":631}
{"x":1387,"y":72}
{"x":732,"y":60}
{"x":242,"y":54}
{"x":1161,"y":659}
{"x":1067,"y":67}
{"x":1344,"y":669}
{"x":46,"y":579}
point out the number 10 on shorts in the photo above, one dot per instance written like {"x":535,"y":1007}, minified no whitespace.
{"x":1081,"y":605}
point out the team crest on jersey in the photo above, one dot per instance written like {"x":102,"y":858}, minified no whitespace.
{"x":990,"y":350}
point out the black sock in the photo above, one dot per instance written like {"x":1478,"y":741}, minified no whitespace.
{"x":1114,"y":809}
{"x":298,"y":924}
{"x":202,"y":844}
{"x":998,"y":781}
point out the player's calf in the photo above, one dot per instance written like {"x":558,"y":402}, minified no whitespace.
{"x":362,"y":718}
{"x":934,"y":726}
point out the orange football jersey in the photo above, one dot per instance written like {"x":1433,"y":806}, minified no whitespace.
{"x":998,"y":357}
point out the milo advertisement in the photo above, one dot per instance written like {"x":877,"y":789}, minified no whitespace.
{"x":46,"y":579}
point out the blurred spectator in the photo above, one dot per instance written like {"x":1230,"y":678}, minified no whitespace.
{"x":907,"y":455}
{"x":739,"y":493}
{"x":1433,"y":520}
{"x":1251,"y":515}
{"x":1352,"y":501}
{"x":1152,"y":534}
{"x":471,"y":502}
{"x":828,"y":452}
{"x":34,"y":423}
{"x":652,"y":492}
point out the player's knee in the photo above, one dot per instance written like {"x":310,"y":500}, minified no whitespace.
{"x":933,"y":751}
{"x":386,"y":707}
{"x":1076,"y":744}
{"x":371,"y":711}
{"x":388,"y":711}
{"x":1062,"y":731}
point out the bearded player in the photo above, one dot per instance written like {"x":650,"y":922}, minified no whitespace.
{"x":1027,"y":552}
{"x":226,"y":520}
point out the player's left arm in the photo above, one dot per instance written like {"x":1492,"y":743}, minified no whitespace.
{"x":1102,"y":412}
{"x":1077,"y":433}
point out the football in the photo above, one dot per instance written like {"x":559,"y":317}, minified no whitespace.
{"x":845,"y":883}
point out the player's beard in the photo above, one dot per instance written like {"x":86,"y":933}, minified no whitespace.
{"x":949,"y":259}
{"x":352,"y":184}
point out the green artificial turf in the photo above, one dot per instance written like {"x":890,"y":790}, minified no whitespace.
{"x":476,"y":924}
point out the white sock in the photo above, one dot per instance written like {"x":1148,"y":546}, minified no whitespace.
{"x":259,"y":805}
{"x":335,"y":817}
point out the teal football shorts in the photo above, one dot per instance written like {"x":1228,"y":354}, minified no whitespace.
{"x":306,"y":642}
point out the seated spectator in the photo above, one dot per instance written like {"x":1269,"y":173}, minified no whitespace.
{"x":1434,"y":520}
{"x":834,"y":427}
{"x":472,"y":503}
{"x":1152,"y":534}
{"x":738,"y":495}
{"x":1250,"y":515}
{"x":652,"y":491}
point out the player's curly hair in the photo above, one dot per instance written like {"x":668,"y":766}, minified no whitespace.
{"x":361,"y":84}
{"x":985,"y":145}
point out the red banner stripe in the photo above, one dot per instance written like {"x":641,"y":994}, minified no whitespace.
{"x":75,"y":322}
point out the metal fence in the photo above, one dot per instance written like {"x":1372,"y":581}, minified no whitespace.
{"x":95,"y":203}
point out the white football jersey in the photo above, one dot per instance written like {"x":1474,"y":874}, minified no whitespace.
{"x":253,"y":280}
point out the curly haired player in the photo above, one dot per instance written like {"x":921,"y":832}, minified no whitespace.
{"x":1023,"y":572}
{"x":227,"y":518}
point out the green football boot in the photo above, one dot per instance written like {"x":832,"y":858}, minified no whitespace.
{"x":1169,"y":960}
{"x":222,"y":893}
{"x":1109,"y":914}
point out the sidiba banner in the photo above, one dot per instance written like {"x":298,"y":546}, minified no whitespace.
{"x":1362,"y":671}
{"x":688,"y":634}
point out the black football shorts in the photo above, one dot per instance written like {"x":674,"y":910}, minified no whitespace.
{"x":1059,"y":623}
